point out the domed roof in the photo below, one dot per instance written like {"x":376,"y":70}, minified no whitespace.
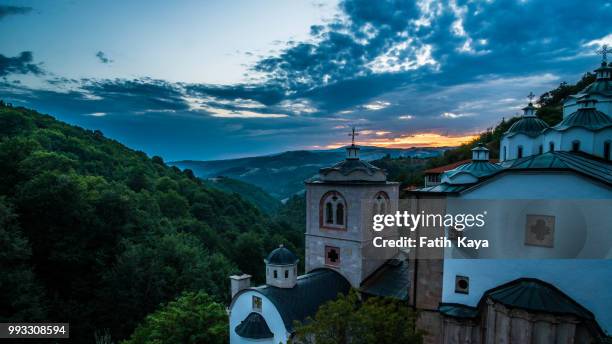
{"x":476,"y":168}
{"x":281,"y":256}
{"x":600,"y":86}
{"x":588,"y":118}
{"x":254,"y":326}
{"x":531,"y":126}
{"x":536,"y":295}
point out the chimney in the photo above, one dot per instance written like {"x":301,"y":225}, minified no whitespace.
{"x":239,"y":283}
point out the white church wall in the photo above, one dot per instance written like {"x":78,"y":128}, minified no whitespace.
{"x":584,"y":136}
{"x":242,"y":307}
{"x":604,"y":104}
{"x":570,"y":107}
{"x":587,"y":281}
{"x":551,"y":136}
{"x":599,"y":139}
{"x":530,"y":145}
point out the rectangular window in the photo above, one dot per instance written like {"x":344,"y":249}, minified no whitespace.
{"x":256,"y":303}
{"x":332,"y":255}
{"x":286,"y":273}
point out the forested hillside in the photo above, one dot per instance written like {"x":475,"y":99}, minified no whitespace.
{"x":98,"y":235}
{"x":247,"y":191}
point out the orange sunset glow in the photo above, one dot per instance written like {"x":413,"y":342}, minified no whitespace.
{"x":414,"y":140}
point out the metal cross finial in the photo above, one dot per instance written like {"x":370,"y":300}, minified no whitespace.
{"x":352,"y":135}
{"x":604,"y":52}
{"x":531,"y":96}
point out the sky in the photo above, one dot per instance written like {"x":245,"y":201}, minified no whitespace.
{"x":203,"y":80}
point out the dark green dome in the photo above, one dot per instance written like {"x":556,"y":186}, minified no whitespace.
{"x":476,"y":168}
{"x":600,"y":86}
{"x":588,"y":118}
{"x":281,"y":256}
{"x":528,"y":125}
{"x":254,"y":327}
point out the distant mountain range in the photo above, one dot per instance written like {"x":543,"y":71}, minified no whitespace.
{"x":282,"y":175}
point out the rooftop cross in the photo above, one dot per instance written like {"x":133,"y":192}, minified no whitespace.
{"x":604,"y":52}
{"x":531,"y":96}
{"x":353,"y":134}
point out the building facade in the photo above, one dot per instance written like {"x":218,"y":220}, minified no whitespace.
{"x":553,"y":172}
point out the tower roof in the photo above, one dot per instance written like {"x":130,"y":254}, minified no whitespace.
{"x":281,"y":256}
{"x":352,"y":169}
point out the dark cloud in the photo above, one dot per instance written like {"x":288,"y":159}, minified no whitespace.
{"x":21,"y":64}
{"x":103,"y":58}
{"x":87,"y":96}
{"x":13,"y":10}
{"x":448,"y":67}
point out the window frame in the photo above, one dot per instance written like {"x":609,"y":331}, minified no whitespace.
{"x":256,"y":303}
{"x":334,"y":198}
{"x":328,"y":262}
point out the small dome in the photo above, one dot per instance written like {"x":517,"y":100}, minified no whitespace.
{"x":281,"y":256}
{"x":531,"y":126}
{"x":588,"y":118}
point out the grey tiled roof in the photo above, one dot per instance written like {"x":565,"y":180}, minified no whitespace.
{"x":458,"y":310}
{"x":391,"y":280}
{"x":588,"y":118}
{"x":311,"y":291}
{"x":530,"y":294}
{"x":535,"y":295}
{"x":575,"y":161}
{"x":582,"y":163}
{"x":348,"y":166}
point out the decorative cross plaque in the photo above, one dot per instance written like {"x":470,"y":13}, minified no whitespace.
{"x":540,"y":230}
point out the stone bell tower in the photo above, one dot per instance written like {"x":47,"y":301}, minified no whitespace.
{"x":339,"y":204}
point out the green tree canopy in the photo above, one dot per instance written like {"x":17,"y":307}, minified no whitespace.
{"x":194,"y":318}
{"x":349,"y":320}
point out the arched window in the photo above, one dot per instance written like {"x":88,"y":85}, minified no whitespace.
{"x":519,"y":153}
{"x":329,"y":213}
{"x":606,"y":150}
{"x":551,"y":146}
{"x":541,"y":149}
{"x":332,"y":211}
{"x":340,"y":214}
{"x":504,"y":156}
{"x":381,"y":203}
{"x":575,"y":146}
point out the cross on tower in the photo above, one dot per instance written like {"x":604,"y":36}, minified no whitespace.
{"x":333,"y":256}
{"x":531,"y":96}
{"x":353,"y":134}
{"x":604,"y":52}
